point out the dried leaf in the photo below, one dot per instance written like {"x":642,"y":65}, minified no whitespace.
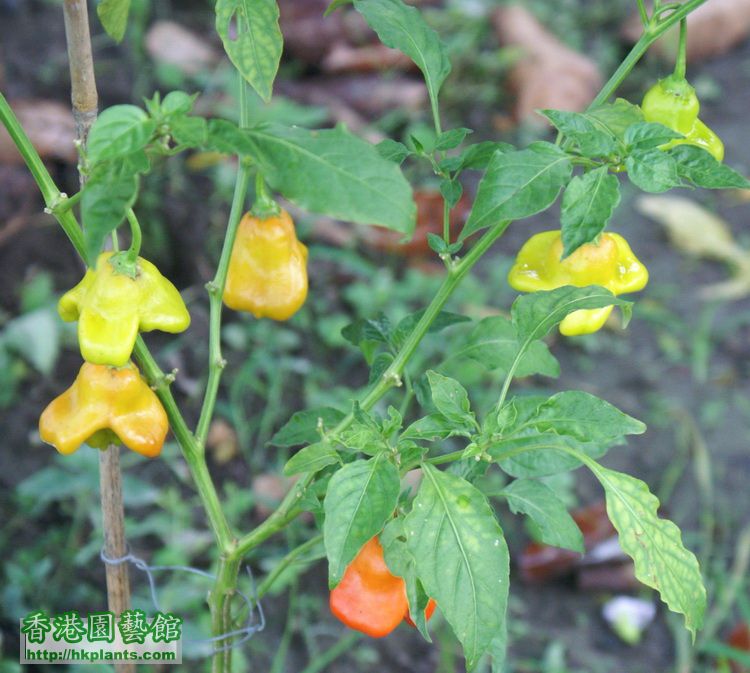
{"x":169,"y":43}
{"x":700,"y":233}
{"x":548,"y":74}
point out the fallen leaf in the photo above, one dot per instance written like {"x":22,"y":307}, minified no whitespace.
{"x":548,"y":74}
{"x":700,"y":233}
{"x":169,"y":43}
{"x":50,"y":128}
{"x":713,"y":29}
{"x":222,"y":441}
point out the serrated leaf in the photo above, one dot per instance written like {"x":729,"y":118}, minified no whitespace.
{"x":698,"y":166}
{"x":330,"y":172}
{"x":402,"y":27}
{"x":494,"y":343}
{"x":119,"y":130}
{"x":311,"y":459}
{"x":114,"y":17}
{"x":304,"y":427}
{"x":255,"y":46}
{"x":546,"y":510}
{"x":587,"y":206}
{"x":360,"y":498}
{"x":653,"y":171}
{"x":461,"y":558}
{"x":654,"y":544}
{"x":518,"y":184}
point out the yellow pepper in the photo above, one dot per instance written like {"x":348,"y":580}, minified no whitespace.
{"x":609,"y":262}
{"x":111,"y":308}
{"x":103,"y":403}
{"x":267,"y":273}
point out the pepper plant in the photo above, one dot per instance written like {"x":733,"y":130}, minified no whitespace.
{"x":392,"y":553}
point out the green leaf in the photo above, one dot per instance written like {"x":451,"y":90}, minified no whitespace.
{"x":498,"y":650}
{"x":476,"y":156}
{"x":36,"y":337}
{"x":546,"y":510}
{"x":360,"y":498}
{"x":189,"y":131}
{"x":335,"y":5}
{"x":451,"y":399}
{"x":402,"y":27}
{"x":177,"y":103}
{"x":312,"y":459}
{"x":432,"y":427}
{"x":461,"y":557}
{"x":364,"y":434}
{"x":654,"y":544}
{"x":518,"y":184}
{"x":535,"y":314}
{"x":541,"y":454}
{"x":106,"y":198}
{"x":114,"y":17}
{"x":379,"y":364}
{"x":406,"y":326}
{"x":377,"y":329}
{"x":583,"y":416}
{"x":653,"y":171}
{"x":255,"y":46}
{"x":119,"y":130}
{"x":392,"y":150}
{"x":616,"y":117}
{"x":648,"y":136}
{"x":582,"y":130}
{"x":451,"y":191}
{"x":330,"y":172}
{"x":698,"y":166}
{"x":587,"y":206}
{"x":451,"y":139}
{"x":305,"y":427}
{"x":494,"y":343}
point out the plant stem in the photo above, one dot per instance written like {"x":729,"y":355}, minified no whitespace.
{"x":346,"y":642}
{"x":652,"y":33}
{"x":680,"y":66}
{"x":48,"y":188}
{"x":642,"y":11}
{"x":215,"y":288}
{"x":136,"y":236}
{"x":220,"y":600}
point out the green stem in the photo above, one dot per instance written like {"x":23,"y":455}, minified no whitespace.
{"x":652,"y":33}
{"x":220,"y":600}
{"x":215,"y":288}
{"x":643,"y":12}
{"x":136,"y":236}
{"x":344,"y":644}
{"x":680,"y":66}
{"x":264,"y":205}
{"x":446,"y":222}
{"x":47,"y":186}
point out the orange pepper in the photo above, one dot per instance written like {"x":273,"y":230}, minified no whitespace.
{"x":267,"y":273}
{"x":369,"y":597}
{"x":101,"y":402}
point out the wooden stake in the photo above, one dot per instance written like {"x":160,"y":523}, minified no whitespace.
{"x":85,"y":100}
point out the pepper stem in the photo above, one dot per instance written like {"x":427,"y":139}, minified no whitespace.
{"x":264,"y":205}
{"x":136,"y":236}
{"x":680,"y":67}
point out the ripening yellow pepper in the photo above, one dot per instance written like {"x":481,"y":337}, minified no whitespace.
{"x":267,"y":273}
{"x":111,"y":308}
{"x":609,"y":262}
{"x":104,"y":403}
